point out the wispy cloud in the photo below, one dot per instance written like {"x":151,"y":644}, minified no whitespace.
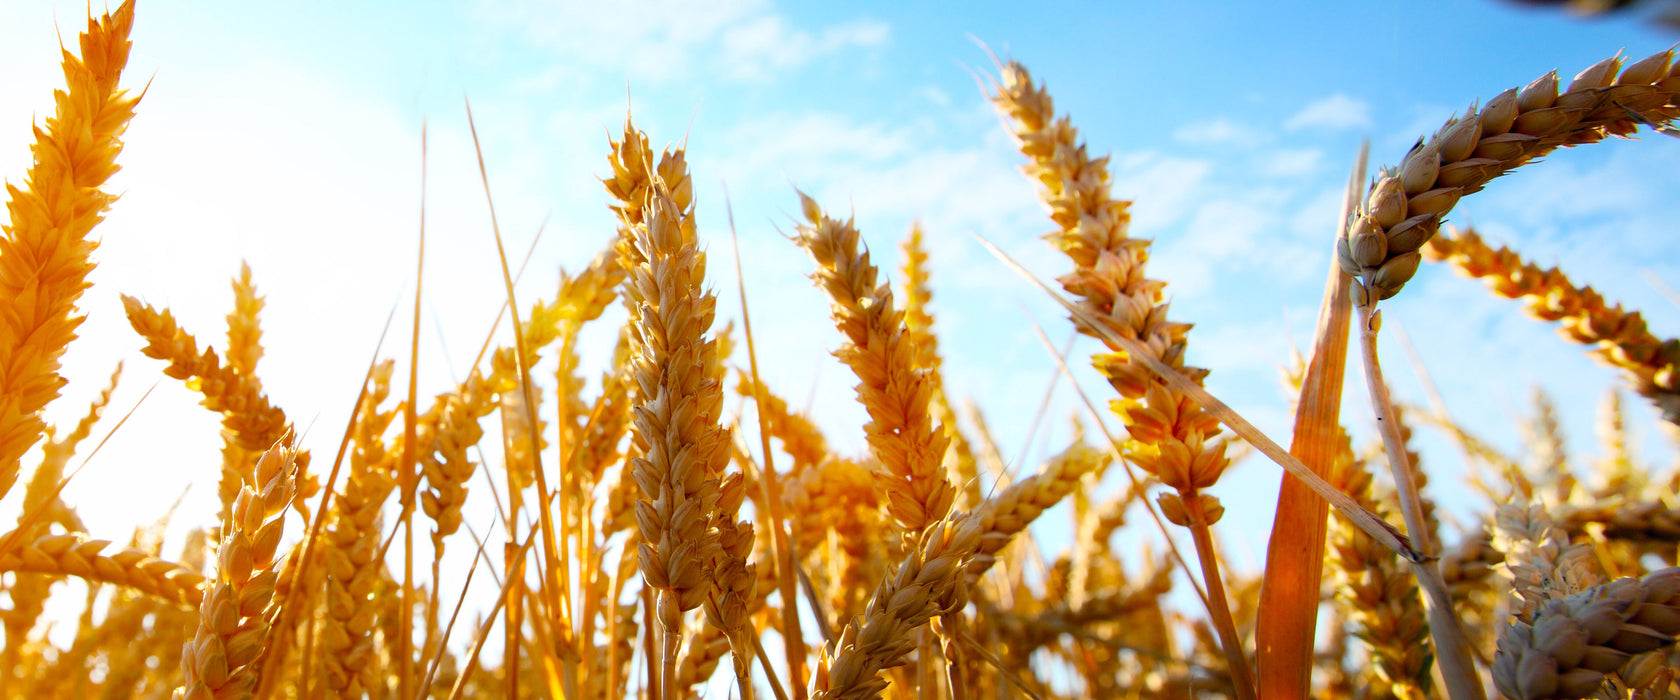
{"x":758,"y":49}
{"x":1337,"y":111}
{"x":1291,"y":162}
{"x":1217,"y":132}
{"x":665,"y":40}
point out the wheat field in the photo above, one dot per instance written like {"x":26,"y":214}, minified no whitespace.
{"x":667,"y":523}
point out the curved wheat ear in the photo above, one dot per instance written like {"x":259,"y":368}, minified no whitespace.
{"x":447,"y":432}
{"x":44,"y":254}
{"x":892,"y":386}
{"x":1405,"y":205}
{"x":1618,"y":338}
{"x":1170,"y":433}
{"x":250,"y":421}
{"x":77,"y":555}
{"x":1574,"y":643}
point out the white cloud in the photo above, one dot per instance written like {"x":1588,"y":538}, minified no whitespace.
{"x":664,"y":40}
{"x":1337,"y":111}
{"x":1291,"y":162}
{"x":1217,"y":132}
{"x":762,"y":47}
{"x":1164,"y":187}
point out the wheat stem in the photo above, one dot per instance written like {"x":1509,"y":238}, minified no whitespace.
{"x":1452,"y":648}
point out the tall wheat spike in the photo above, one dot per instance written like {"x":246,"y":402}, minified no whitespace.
{"x":45,"y":253}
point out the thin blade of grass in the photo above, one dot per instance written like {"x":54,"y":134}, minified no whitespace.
{"x":410,"y":479}
{"x":1114,"y":445}
{"x":793,"y":639}
{"x":1289,"y":594}
{"x":443,"y":641}
{"x":559,"y":617}
{"x":484,"y":634}
{"x":29,"y":519}
{"x":289,"y":608}
{"x":1374,"y":526}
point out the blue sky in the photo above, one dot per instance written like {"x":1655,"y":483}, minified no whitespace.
{"x":289,"y":136}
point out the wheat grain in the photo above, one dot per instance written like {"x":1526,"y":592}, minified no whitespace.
{"x":1574,"y":642}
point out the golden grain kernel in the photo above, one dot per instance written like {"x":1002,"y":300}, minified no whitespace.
{"x":1387,"y":203}
{"x":1499,"y":114}
{"x":1539,"y":94}
{"x":1412,"y":233}
{"x":1459,"y":139}
{"x":1417,"y":171}
{"x":1368,"y":246}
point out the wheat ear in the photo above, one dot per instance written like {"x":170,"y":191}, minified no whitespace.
{"x":892,"y":386}
{"x":44,"y":254}
{"x":77,"y":555}
{"x":681,"y":449}
{"x":1375,"y":592}
{"x":354,"y":570}
{"x":1172,"y":437}
{"x":252,"y":423}
{"x":1574,"y":643}
{"x":1405,"y":205}
{"x":918,"y":326}
{"x":1617,"y":337}
{"x":1010,"y":512}
{"x":926,"y":584}
{"x":233,"y":617}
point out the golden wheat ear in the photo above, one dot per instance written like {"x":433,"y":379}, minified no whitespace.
{"x":1614,"y":336}
{"x":45,"y":249}
{"x":220,"y":661}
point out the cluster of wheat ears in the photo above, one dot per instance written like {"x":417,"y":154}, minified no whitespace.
{"x":646,"y":531}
